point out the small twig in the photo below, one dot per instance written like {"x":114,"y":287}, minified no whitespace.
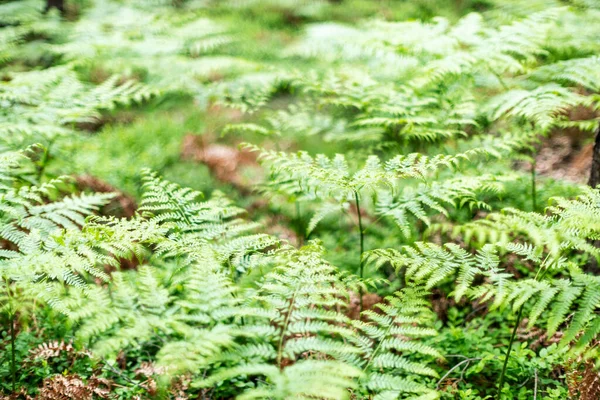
{"x":116,"y":371}
{"x":468,"y":360}
{"x":524,"y":383}
{"x":455,"y":355}
{"x":476,"y":310}
{"x":462,"y":373}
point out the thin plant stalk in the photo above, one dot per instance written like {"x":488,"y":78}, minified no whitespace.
{"x":41,"y":168}
{"x":543,"y":269}
{"x":499,"y":77}
{"x":510,"y":343}
{"x":284,"y":328}
{"x":299,"y":228}
{"x":13,"y":365}
{"x":362,"y":246}
{"x":533,"y":185}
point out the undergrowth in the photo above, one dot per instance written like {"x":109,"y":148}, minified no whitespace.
{"x":299,"y":199}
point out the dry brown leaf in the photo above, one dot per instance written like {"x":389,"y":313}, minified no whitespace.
{"x":583,"y":381}
{"x":126,"y":203}
{"x":148,"y":369}
{"x":67,"y":387}
{"x":226,"y":163}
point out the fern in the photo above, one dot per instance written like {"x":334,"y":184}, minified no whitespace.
{"x":42,"y":105}
{"x":391,"y":349}
{"x":542,"y":106}
{"x":288,"y":324}
{"x":311,"y":378}
{"x":322,"y":177}
{"x":559,"y":287}
{"x":576,"y":72}
{"x":508,"y":49}
{"x":151,"y":41}
{"x":21,"y":22}
{"x":290,"y":317}
{"x":412,"y":112}
{"x":42,"y":247}
{"x":437,"y":196}
{"x":571,"y":226}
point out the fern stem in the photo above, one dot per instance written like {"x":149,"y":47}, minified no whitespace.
{"x":284,"y":328}
{"x":41,"y":168}
{"x":231,"y":270}
{"x":544,"y":269}
{"x":362,"y":247}
{"x":510,"y":343}
{"x":387,"y":331}
{"x":108,"y":367}
{"x":299,"y":228}
{"x":499,"y":77}
{"x":13,"y":364}
{"x":179,"y":207}
{"x":533,"y":187}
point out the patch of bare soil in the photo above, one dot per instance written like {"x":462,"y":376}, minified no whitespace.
{"x":369,"y":300}
{"x":563,"y":157}
{"x":567,"y":153}
{"x":228,"y":164}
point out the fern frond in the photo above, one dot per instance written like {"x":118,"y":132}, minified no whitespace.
{"x":309,"y":378}
{"x":437,"y":197}
{"x":582,"y":72}
{"x":393,"y":334}
{"x":543,"y":106}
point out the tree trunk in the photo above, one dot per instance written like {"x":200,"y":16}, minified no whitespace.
{"x":58,"y":4}
{"x":595,"y":170}
{"x":592,"y":265}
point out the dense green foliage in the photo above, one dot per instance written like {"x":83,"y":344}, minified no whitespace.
{"x":297,"y":199}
